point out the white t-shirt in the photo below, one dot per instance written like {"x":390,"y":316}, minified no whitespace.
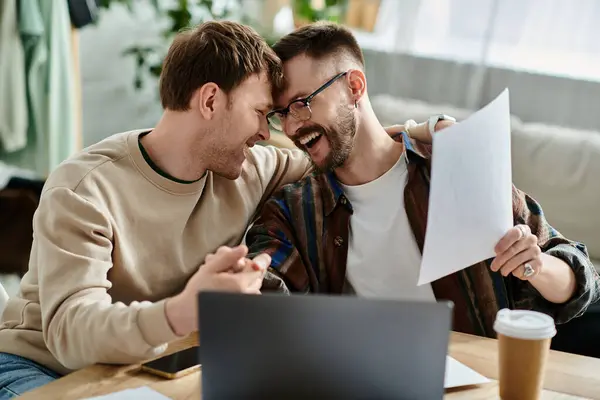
{"x":383,"y":256}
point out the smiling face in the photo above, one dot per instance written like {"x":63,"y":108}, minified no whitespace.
{"x":326,"y":132}
{"x":217,"y":78}
{"x":240,"y":123}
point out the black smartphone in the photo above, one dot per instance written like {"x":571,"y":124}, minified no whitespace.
{"x":175,"y":365}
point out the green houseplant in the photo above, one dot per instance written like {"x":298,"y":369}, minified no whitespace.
{"x":182,"y":14}
{"x":307,"y":11}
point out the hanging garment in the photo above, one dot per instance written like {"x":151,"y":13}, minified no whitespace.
{"x":45,"y":29}
{"x":13,"y":94}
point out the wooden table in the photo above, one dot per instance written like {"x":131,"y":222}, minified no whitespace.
{"x":568,"y":376}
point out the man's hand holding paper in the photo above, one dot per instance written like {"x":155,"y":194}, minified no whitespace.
{"x":471,"y":208}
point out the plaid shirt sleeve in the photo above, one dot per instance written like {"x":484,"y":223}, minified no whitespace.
{"x":272,"y":233}
{"x":527,"y":211}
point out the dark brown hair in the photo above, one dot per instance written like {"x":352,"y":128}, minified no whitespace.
{"x":222,"y":52}
{"x":319,"y":40}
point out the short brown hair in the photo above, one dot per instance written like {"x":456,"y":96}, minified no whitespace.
{"x":222,"y":52}
{"x":319,"y":40}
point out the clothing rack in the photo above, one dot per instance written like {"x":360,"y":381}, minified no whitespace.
{"x":34,"y":135}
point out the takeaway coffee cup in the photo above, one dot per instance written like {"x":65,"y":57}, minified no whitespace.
{"x":523,"y":345}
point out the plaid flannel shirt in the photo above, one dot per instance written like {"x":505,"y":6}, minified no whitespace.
{"x":304,"y":227}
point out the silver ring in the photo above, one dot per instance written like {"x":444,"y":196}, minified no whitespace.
{"x":523,"y":231}
{"x":528,"y":270}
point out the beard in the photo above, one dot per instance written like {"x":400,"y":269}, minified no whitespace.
{"x":228,"y":164}
{"x":222,"y":156}
{"x":340,"y":136}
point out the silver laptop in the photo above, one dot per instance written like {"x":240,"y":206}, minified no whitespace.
{"x":321,"y":347}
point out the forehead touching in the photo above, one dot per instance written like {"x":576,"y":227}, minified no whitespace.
{"x":256,"y":91}
{"x":303,"y":75}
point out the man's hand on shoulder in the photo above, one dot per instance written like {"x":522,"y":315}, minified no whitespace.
{"x":227,"y":270}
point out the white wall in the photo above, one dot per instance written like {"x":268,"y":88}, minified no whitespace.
{"x":111,"y":104}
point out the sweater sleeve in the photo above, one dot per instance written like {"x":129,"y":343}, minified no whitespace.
{"x":81,"y":324}
{"x":277,"y":167}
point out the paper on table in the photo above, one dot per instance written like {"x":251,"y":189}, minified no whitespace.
{"x":470,"y":200}
{"x":141,"y":393}
{"x":458,"y":375}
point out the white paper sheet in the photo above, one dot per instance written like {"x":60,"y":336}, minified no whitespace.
{"x":141,"y":393}
{"x":458,"y":374}
{"x":470,"y":200}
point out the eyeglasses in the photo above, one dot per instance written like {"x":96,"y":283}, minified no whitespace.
{"x":299,"y":109}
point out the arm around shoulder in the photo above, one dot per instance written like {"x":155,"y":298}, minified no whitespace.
{"x":72,"y":252}
{"x":278,"y":167}
{"x":273,"y":233}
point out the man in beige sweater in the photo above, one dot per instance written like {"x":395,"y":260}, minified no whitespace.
{"x":123,"y":227}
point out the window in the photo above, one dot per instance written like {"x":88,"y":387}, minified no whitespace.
{"x":554,"y":37}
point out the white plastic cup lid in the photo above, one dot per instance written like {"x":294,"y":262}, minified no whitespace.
{"x":524,"y":324}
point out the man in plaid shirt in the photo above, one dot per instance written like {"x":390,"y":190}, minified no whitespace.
{"x":357,"y":225}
